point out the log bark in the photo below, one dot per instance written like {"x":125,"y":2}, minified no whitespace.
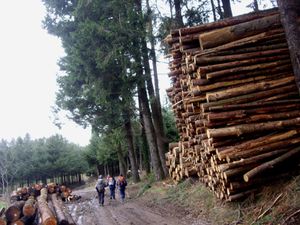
{"x":247,"y":161}
{"x":29,"y":208}
{"x":13,"y":213}
{"x":290,"y":12}
{"x":66,"y":212}
{"x":258,"y":142}
{"x":46,"y":214}
{"x":261,"y":66}
{"x":254,"y":105}
{"x":269,"y":165}
{"x":249,"y":98}
{"x":61,"y":218}
{"x":238,"y":63}
{"x":226,"y":22}
{"x":3,"y":221}
{"x":248,"y":88}
{"x":228,"y":34}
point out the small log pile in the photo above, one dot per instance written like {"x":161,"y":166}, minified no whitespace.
{"x":38,"y":204}
{"x":236,"y":103}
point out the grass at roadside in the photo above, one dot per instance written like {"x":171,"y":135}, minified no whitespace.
{"x":273,"y":205}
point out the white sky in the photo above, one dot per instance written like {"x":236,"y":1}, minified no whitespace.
{"x":28,"y":68}
{"x":28,"y":57}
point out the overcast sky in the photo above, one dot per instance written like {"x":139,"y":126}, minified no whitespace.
{"x":28,"y":71}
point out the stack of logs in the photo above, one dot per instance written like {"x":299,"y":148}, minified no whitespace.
{"x":38,"y":205}
{"x":236,"y":103}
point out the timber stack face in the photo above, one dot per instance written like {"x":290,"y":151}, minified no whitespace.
{"x":39,"y":204}
{"x":236,"y":104}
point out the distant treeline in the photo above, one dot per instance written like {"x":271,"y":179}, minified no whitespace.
{"x":25,"y":161}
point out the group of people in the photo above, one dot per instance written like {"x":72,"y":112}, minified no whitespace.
{"x":112,"y":183}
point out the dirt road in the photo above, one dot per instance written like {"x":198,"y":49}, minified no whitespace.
{"x":87,"y":211}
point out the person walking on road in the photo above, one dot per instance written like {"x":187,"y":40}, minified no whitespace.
{"x":112,"y":187}
{"x":122,"y":183}
{"x":100,"y":187}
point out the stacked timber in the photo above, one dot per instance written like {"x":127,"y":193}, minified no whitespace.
{"x":235,"y":102}
{"x":39,"y":204}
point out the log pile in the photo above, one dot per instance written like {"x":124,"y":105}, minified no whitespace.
{"x":236,"y":104}
{"x":38,"y":204}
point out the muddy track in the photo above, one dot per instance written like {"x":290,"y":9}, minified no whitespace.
{"x":87,"y":211}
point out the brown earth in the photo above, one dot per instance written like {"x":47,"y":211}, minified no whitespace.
{"x":134,"y":211}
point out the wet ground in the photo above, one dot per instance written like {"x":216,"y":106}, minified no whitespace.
{"x":87,"y":211}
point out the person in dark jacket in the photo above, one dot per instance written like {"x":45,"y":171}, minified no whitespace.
{"x":122,"y":183}
{"x":100,"y":187}
{"x":112,"y":187}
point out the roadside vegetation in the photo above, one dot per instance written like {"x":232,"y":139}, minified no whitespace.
{"x":272,"y":205}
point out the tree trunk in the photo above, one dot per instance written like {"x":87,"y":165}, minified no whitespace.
{"x":131,"y":151}
{"x":213,"y":9}
{"x":122,"y":163}
{"x":144,"y":144}
{"x":290,"y":12}
{"x":178,"y":15}
{"x":155,"y":104}
{"x":255,"y":6}
{"x":220,"y":11}
{"x":227,"y":8}
{"x":150,"y":134}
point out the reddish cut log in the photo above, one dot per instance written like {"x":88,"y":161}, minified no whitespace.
{"x":29,"y":207}
{"x":18,"y":222}
{"x":3,"y":221}
{"x":228,"y":34}
{"x":61,"y":218}
{"x":250,"y":128}
{"x":13,"y":213}
{"x":269,"y":165}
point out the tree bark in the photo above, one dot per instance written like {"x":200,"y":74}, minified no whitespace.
{"x":290,"y":12}
{"x":131,"y":150}
{"x":213,"y":9}
{"x":150,"y":134}
{"x":178,"y":15}
{"x":227,"y":8}
{"x":29,"y":207}
{"x":46,"y":214}
{"x":122,"y":163}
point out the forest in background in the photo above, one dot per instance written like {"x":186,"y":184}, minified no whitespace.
{"x":109,"y":81}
